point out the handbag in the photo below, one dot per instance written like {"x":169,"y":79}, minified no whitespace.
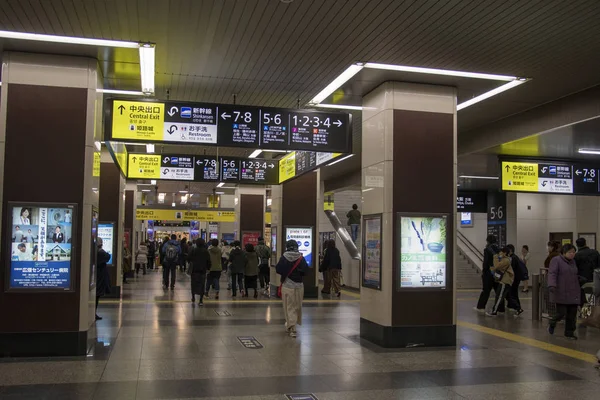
{"x":288,"y":275}
{"x":593,"y":319}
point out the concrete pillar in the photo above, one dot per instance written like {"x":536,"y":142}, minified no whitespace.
{"x":409,"y":171}
{"x":50,"y":132}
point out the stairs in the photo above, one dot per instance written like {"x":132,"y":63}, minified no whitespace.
{"x":468,"y":275}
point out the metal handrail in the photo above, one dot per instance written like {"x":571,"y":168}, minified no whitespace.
{"x":470,"y":245}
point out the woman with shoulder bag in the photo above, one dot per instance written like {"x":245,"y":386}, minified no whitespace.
{"x":563,"y":284}
{"x":504,"y":275}
{"x":292,"y":267}
{"x":141,"y":258}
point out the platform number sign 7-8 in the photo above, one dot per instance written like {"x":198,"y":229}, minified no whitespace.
{"x":496,"y":213}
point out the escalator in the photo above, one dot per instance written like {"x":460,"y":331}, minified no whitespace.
{"x":343,"y":234}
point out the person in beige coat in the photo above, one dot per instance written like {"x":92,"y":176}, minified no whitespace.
{"x":504,"y":275}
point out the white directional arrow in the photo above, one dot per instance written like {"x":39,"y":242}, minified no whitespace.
{"x":338,"y":123}
{"x":174,"y":110}
{"x":198,"y":162}
{"x":578,"y":172}
{"x":544,"y":169}
{"x":271,"y":165}
{"x":225,"y":115}
{"x":166,"y":160}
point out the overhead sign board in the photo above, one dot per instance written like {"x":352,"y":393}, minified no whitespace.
{"x":550,"y":177}
{"x":474,"y":202}
{"x":184,"y":215}
{"x":229,"y":126}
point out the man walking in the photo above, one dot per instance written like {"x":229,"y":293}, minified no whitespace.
{"x":264,"y":272}
{"x":487,"y":278}
{"x":171,"y":251}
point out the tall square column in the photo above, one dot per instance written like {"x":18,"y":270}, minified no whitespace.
{"x":409,"y":168}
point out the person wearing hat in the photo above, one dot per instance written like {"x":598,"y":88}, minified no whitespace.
{"x":102,"y":277}
{"x":292,"y":267}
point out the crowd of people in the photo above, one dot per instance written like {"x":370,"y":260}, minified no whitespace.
{"x":568,"y":268}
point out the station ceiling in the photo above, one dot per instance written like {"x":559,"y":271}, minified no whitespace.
{"x":280,"y":54}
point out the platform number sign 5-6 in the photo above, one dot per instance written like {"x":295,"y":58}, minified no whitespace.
{"x":496,"y":213}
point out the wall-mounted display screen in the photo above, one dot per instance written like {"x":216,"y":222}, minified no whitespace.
{"x":106,"y":232}
{"x":423,"y":243}
{"x":372,"y":232}
{"x":304,"y":237}
{"x":466,"y":219}
{"x":41,"y":240}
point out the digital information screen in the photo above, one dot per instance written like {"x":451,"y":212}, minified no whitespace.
{"x":422,"y":252}
{"x":106,"y":232}
{"x":40,"y":246}
{"x":229,"y":126}
{"x":304,"y":237}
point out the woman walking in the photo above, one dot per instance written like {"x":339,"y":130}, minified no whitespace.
{"x":292,"y":267}
{"x":251,"y":270}
{"x":332,"y":263}
{"x":563,"y":284}
{"x":237,"y":260}
{"x":214,"y":276}
{"x":504,"y":275}
{"x":199,"y":260}
{"x":141,"y":258}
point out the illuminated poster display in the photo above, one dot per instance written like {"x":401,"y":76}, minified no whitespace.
{"x":304,"y":237}
{"x":94,"y":247}
{"x":274,"y":245}
{"x":372,"y":252}
{"x":250,"y":237}
{"x":106,"y":233}
{"x":422,"y":252}
{"x":40,"y":246}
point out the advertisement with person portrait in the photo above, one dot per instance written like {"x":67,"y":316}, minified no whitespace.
{"x":40,"y":246}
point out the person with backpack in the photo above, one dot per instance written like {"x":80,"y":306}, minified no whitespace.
{"x":200,"y":263}
{"x":161,"y":252}
{"x":487,"y":279}
{"x":237,"y":265}
{"x":214,"y":276}
{"x":354,"y":222}
{"x":251,"y":270}
{"x":521,"y":273}
{"x":264,"y":272}
{"x":171,"y":250}
{"x":332,"y":264}
{"x":292,"y":267}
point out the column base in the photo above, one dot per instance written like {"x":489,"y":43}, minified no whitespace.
{"x":115,"y":293}
{"x":43,"y":344}
{"x":403,"y":336}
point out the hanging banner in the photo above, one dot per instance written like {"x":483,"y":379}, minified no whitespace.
{"x":372,"y":252}
{"x":250,"y":237}
{"x":184,"y":215}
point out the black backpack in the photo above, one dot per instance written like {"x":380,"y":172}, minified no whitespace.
{"x":171,"y":253}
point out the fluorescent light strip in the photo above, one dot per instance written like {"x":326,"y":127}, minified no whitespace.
{"x":121,"y":92}
{"x":228,"y":187}
{"x":478,"y":177}
{"x":588,"y":151}
{"x":337,"y":82}
{"x":255,"y":153}
{"x":491,"y":93}
{"x":147,"y":67}
{"x":340,"y":160}
{"x":275,"y":151}
{"x":435,"y":71}
{"x":339,"y":106}
{"x":221,"y":185}
{"x":68,"y":39}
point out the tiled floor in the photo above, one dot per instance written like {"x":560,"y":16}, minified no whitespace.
{"x":158,"y":345}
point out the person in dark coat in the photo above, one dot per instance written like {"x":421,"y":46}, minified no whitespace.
{"x":199,"y":260}
{"x":237,"y":258}
{"x":487,"y":279}
{"x":102,"y":277}
{"x":514,"y":303}
{"x":563,"y":284}
{"x":587,"y":260}
{"x":332,"y":264}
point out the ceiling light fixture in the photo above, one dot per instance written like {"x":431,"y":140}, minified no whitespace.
{"x":255,"y":153}
{"x":149,"y":148}
{"x":588,"y":151}
{"x":67,"y":39}
{"x":183,"y":191}
{"x":436,"y":71}
{"x":340,"y":160}
{"x":121,"y":92}
{"x":219,"y":192}
{"x":491,"y":93}
{"x":228,"y":187}
{"x":147,"y":67}
{"x":337,"y":82}
{"x":153,"y":182}
{"x":513,"y":81}
{"x":220,"y":185}
{"x":146,"y":190}
{"x":478,"y":177}
{"x":339,"y":106}
{"x":275,"y":151}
